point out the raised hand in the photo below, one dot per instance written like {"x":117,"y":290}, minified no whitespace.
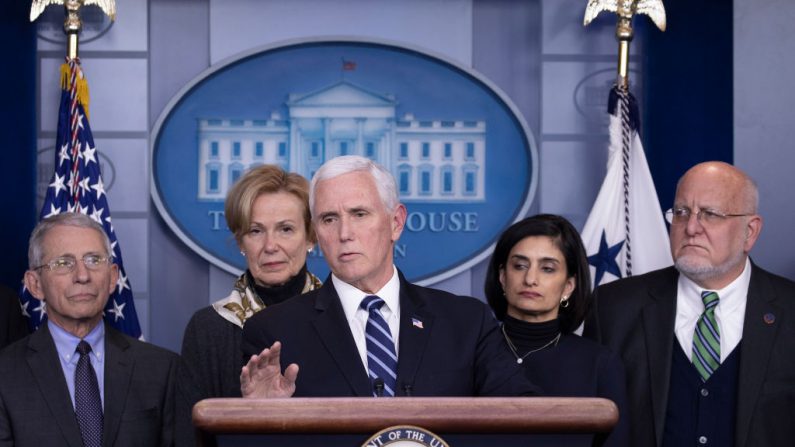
{"x":262,"y":376}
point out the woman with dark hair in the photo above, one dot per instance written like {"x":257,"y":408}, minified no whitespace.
{"x":539,"y":285}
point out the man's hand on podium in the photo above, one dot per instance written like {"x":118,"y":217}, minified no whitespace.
{"x":262,"y":376}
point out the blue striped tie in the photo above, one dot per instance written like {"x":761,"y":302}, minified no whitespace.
{"x":381,"y":358}
{"x":706,"y":338}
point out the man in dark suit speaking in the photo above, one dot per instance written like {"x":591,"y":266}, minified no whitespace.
{"x":367,"y":331}
{"x":76,"y":381}
{"x":708,"y":344}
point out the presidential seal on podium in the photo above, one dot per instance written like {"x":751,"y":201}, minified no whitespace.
{"x":405,"y":436}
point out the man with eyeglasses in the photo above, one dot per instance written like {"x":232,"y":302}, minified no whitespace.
{"x":77,"y":381}
{"x":709,"y":344}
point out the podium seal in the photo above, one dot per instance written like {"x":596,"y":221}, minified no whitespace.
{"x":405,"y":436}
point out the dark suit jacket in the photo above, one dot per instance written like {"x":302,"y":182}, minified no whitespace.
{"x":635,"y":317}
{"x":457,"y":350}
{"x":12,"y":324}
{"x":36,"y":410}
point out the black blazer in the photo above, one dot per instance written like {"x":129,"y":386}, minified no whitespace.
{"x":636,"y":317}
{"x":36,"y":410}
{"x":453,"y":350}
{"x":12,"y":324}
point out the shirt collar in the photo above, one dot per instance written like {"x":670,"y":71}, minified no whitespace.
{"x":351,"y":297}
{"x":66,"y":343}
{"x":730,"y":296}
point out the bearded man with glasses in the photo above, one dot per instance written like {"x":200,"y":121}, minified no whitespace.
{"x":708,"y":343}
{"x":77,"y":381}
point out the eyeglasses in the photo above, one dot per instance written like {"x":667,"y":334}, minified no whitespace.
{"x":67,"y":264}
{"x":704,"y":216}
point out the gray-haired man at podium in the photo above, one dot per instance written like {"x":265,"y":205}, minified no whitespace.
{"x":368,"y":331}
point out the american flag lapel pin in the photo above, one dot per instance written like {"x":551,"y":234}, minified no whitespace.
{"x":416,"y":322}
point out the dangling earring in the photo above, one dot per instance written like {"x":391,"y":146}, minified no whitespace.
{"x":242,"y":252}
{"x":564,"y":301}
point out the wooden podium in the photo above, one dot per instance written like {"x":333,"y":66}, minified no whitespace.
{"x":354,"y":420}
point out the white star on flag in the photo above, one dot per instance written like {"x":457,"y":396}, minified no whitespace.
{"x":53,"y":211}
{"x":63,"y":155}
{"x":41,"y":309}
{"x":99,"y":187}
{"x":84,"y":188}
{"x":88,"y":154}
{"x":97,"y":215}
{"x":122,"y":282}
{"x":57,"y":184}
{"x":118,"y":310}
{"x":24,"y":308}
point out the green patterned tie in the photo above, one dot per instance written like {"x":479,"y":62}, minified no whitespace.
{"x":706,"y":338}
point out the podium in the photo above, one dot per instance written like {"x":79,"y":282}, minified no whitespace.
{"x":460,"y":421}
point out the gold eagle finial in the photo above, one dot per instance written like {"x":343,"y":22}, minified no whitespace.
{"x":626,"y":9}
{"x":107,"y":6}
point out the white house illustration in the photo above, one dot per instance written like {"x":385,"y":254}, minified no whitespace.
{"x":432,"y":160}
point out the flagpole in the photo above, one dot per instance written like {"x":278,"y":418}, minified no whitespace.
{"x":625,"y":10}
{"x":72,"y":25}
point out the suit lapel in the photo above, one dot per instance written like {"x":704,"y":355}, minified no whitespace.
{"x":118,"y":371}
{"x":45,"y":366}
{"x":339,"y":345}
{"x":415,"y":330}
{"x":659,"y":317}
{"x":757,"y":342}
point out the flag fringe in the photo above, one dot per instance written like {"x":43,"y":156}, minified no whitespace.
{"x":82,"y":85}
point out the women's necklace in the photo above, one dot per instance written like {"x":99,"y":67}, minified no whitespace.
{"x":520,"y":359}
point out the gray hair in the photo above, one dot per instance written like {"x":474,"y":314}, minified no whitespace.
{"x":36,"y":242}
{"x":383,"y":179}
{"x":751,"y":192}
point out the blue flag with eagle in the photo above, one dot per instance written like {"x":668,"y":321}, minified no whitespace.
{"x":76,"y":186}
{"x":625,"y":233}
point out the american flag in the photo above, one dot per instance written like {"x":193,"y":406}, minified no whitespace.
{"x":76,"y":186}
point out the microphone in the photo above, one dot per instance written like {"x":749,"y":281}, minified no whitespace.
{"x":378,"y":387}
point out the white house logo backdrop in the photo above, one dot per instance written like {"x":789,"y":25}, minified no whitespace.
{"x":463,"y":158}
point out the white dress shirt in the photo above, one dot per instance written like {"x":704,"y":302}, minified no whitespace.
{"x":729,"y":313}
{"x":351,"y":298}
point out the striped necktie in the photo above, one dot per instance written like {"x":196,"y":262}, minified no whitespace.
{"x":706,"y":338}
{"x":381,"y":358}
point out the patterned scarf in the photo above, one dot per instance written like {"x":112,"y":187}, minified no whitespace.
{"x":244,"y":301}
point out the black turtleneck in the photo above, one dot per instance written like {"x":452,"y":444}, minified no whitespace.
{"x":528,"y":336}
{"x":276,"y":294}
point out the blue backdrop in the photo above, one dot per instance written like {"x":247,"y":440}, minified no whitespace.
{"x":18,"y":130}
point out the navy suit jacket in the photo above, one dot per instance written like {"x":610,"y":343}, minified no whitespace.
{"x":636,"y":316}
{"x":36,"y":409}
{"x":455,"y":350}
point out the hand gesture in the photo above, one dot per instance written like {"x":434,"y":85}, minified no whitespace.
{"x":262,"y":376}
